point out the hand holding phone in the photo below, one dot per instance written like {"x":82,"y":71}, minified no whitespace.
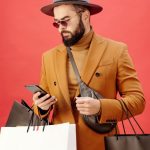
{"x":36,"y":88}
{"x":41,"y":100}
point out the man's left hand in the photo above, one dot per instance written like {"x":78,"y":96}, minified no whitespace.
{"x":87,"y":105}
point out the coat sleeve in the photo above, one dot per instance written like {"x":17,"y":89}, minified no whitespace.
{"x":129,"y":89}
{"x":43,"y":85}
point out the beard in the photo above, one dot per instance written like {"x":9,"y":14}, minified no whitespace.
{"x":78,"y":34}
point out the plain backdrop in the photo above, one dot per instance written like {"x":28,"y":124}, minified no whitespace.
{"x":25,"y":33}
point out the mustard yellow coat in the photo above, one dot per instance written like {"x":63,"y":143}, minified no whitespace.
{"x":108,"y":69}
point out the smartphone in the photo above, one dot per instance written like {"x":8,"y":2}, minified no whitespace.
{"x":36,"y":88}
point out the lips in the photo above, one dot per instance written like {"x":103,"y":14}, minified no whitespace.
{"x":66,"y":35}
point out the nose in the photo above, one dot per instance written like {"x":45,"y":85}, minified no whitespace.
{"x":61,"y":28}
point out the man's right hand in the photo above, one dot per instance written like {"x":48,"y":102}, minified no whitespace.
{"x":44,"y":102}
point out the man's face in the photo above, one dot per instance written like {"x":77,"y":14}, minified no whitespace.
{"x":69,"y":24}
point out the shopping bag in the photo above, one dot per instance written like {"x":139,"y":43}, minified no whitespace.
{"x":54,"y":137}
{"x":22,"y":115}
{"x":128,"y":141}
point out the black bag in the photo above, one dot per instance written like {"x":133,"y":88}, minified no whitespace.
{"x":23,"y":115}
{"x":92,"y":121}
{"x":128,"y":141}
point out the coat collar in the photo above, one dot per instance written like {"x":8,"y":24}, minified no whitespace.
{"x":95,"y":54}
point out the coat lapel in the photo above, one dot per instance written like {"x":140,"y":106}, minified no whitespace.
{"x":95,"y":54}
{"x":60,"y":65}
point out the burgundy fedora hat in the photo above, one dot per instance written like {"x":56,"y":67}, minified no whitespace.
{"x":93,"y":8}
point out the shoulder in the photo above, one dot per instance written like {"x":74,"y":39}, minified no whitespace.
{"x":51,"y":52}
{"x":109,"y":42}
{"x":111,"y":46}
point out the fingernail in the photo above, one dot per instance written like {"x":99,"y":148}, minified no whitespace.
{"x":53,"y":97}
{"x":38,"y":93}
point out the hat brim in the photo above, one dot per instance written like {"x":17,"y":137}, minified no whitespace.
{"x":93,"y":8}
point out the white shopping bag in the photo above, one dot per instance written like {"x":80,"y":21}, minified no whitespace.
{"x":54,"y":137}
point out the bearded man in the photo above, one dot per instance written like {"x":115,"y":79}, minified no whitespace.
{"x":103,"y":64}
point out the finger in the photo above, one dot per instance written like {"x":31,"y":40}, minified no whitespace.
{"x":84,"y":105}
{"x":52,"y":98}
{"x":47,"y":96}
{"x":82,"y":100}
{"x":84,"y":113}
{"x":49,"y":102}
{"x":42,"y":99}
{"x":36,"y":96}
{"x":83,"y":109}
{"x":46,"y":107}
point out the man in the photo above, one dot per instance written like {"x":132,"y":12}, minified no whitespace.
{"x":103,"y":64}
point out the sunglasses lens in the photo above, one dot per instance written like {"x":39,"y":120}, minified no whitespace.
{"x":55,"y":24}
{"x":64,"y":23}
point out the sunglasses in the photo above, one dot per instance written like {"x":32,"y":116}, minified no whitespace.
{"x":64,"y":23}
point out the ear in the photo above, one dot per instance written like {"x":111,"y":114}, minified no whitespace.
{"x":86,"y":15}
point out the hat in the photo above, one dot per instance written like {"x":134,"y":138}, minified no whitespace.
{"x":93,"y":8}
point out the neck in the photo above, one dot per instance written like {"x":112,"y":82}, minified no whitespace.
{"x":87,"y":30}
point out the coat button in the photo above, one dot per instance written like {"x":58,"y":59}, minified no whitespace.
{"x":55,"y":83}
{"x":97,"y":74}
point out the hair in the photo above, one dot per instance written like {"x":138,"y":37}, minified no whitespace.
{"x":80,"y":9}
